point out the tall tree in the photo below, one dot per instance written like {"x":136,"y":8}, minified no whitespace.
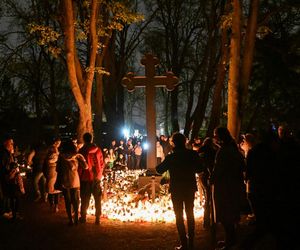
{"x":97,"y":19}
{"x":215,"y":114}
{"x":239,"y":76}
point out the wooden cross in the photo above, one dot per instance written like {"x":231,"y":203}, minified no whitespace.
{"x":150,"y":81}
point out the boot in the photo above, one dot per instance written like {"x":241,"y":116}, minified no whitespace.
{"x":76,"y":218}
{"x":38,"y":197}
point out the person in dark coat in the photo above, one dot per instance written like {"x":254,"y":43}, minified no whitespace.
{"x":207,"y":152}
{"x":272,"y":165}
{"x":227,"y":181}
{"x":182,"y":165}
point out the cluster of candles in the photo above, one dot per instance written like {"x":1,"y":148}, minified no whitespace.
{"x":125,"y":202}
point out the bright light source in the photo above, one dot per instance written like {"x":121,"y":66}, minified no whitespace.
{"x":162,"y":131}
{"x":145,"y":145}
{"x":136,"y":133}
{"x":126,"y":133}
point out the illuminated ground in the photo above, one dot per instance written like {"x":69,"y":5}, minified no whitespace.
{"x":42,"y":229}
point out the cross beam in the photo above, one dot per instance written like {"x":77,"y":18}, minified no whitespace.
{"x":150,"y":81}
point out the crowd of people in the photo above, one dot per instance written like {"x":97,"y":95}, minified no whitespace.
{"x":68,"y":168}
{"x":257,"y":168}
{"x":128,"y":154}
{"x":59,"y":168}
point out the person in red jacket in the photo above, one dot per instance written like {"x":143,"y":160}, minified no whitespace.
{"x":90,"y":179}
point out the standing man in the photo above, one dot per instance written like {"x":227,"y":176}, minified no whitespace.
{"x":182,"y":164}
{"x":90,"y":179}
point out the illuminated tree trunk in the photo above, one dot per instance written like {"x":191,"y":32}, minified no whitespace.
{"x":248,"y":52}
{"x":80,"y":81}
{"x":239,"y":77}
{"x":234,"y":121}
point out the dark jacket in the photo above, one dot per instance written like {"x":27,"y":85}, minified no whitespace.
{"x":227,"y":178}
{"x":182,"y":164}
{"x":6,"y":161}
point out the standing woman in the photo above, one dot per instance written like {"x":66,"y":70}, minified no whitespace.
{"x":68,"y":177}
{"x":227,"y":180}
{"x":159,"y":153}
{"x":111,"y":158}
{"x":138,"y":150}
{"x":51,"y":174}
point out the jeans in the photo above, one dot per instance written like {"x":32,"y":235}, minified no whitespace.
{"x":71,"y":196}
{"x":37,"y":179}
{"x":137,"y":161}
{"x":86,"y":189}
{"x":187,"y":200}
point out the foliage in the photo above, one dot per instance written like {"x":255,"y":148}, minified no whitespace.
{"x":115,"y":16}
{"x":32,"y":70}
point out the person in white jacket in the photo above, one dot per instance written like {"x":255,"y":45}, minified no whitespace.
{"x":159,"y":153}
{"x":69,"y":163}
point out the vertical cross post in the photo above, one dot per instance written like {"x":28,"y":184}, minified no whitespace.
{"x":150,"y":81}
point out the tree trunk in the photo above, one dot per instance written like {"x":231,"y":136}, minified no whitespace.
{"x":85,"y":121}
{"x":188,"y":117}
{"x":81,"y":83}
{"x":234,"y":121}
{"x":221,"y":73}
{"x":248,"y":53}
{"x":209,"y":72}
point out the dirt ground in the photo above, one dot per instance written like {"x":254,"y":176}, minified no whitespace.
{"x":40,"y":228}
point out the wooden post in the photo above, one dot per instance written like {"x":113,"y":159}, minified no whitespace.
{"x":150,"y":81}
